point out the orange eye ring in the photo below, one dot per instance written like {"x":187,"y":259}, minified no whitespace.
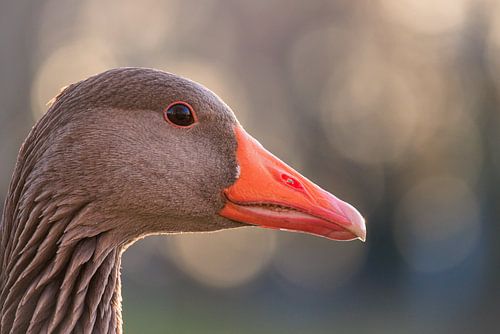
{"x":180,"y":114}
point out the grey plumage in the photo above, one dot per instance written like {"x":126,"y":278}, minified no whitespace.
{"x":98,"y":171}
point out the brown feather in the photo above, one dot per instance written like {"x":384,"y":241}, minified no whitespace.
{"x":98,"y":171}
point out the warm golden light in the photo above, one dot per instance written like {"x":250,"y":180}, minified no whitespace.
{"x":391,"y":105}
{"x":223,"y":259}
{"x":425,"y":16}
{"x":71,"y":63}
{"x":143,"y":27}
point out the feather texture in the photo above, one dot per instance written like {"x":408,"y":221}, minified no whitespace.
{"x":94,"y":175}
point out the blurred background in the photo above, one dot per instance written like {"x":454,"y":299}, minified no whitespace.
{"x":393,"y":105}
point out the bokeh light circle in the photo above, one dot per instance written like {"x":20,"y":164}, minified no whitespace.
{"x":371,"y":123}
{"x":437,"y":223}
{"x":424,"y":16}
{"x":71,"y":63}
{"x":317,"y":264}
{"x":223,"y":259}
{"x":144,"y":27}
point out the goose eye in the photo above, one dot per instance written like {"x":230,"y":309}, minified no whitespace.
{"x":180,"y":114}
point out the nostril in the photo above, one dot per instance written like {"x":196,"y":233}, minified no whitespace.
{"x":291,"y":181}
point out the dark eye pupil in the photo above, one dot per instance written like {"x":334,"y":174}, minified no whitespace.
{"x":180,"y":114}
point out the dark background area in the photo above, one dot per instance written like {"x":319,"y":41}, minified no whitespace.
{"x":391,"y":105}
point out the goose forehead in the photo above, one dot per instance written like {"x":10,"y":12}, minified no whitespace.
{"x":141,"y":88}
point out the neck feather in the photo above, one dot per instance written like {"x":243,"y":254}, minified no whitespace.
{"x":59,"y":272}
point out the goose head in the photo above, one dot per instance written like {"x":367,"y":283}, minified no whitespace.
{"x":157,"y":153}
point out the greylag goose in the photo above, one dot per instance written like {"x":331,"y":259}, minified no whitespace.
{"x":124,"y":154}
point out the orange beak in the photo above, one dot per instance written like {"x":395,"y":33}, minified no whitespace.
{"x":271,"y":194}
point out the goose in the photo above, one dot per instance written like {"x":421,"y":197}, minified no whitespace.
{"x":127,"y":153}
